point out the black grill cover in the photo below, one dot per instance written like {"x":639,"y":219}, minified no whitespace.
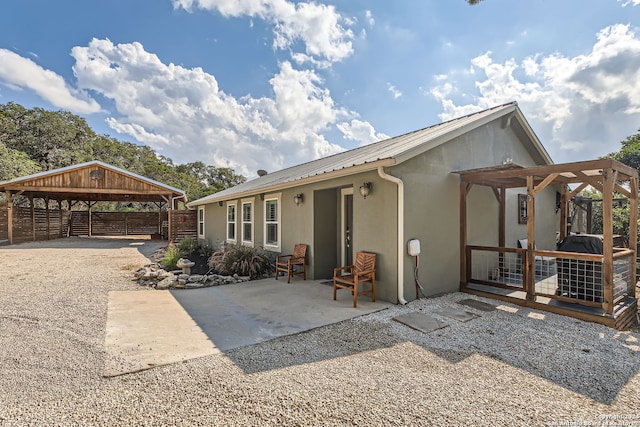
{"x":583,"y":243}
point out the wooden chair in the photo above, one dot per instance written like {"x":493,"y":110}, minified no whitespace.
{"x":287,"y":263}
{"x":362,"y":271}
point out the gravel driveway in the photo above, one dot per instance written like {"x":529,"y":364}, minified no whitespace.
{"x":509,"y":367}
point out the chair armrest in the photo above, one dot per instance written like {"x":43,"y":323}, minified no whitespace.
{"x":346,"y":267}
{"x":294,"y":260}
{"x":364,"y":272}
{"x":279,"y":257}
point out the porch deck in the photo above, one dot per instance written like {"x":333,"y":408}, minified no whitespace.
{"x":623,"y":317}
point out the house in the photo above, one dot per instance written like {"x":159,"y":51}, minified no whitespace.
{"x":378,"y":197}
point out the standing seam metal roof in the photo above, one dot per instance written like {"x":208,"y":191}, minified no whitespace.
{"x":388,"y":149}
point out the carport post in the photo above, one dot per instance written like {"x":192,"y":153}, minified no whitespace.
{"x":9,"y":216}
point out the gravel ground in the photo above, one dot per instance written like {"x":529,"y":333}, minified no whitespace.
{"x":509,"y":367}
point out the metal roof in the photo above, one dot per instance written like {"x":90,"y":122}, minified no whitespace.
{"x":388,"y":152}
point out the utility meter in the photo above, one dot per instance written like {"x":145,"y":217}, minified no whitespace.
{"x":413,"y":247}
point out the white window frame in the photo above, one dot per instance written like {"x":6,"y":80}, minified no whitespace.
{"x":278,"y":198}
{"x":234,"y":222}
{"x":249,"y":202}
{"x":201,"y":229}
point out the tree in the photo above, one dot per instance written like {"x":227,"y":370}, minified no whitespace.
{"x":14,"y":163}
{"x":36,"y":139}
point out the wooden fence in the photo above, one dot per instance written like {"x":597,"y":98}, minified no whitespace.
{"x":117,"y":223}
{"x":182,"y":224}
{"x":4,"y":222}
{"x":35,"y":224}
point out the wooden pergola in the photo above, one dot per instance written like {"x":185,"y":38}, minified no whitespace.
{"x":609,"y":177}
{"x":90,"y":183}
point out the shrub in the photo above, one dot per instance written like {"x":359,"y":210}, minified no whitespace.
{"x":187,"y":246}
{"x":243,"y":261}
{"x":171,"y":257}
{"x":204,"y":250}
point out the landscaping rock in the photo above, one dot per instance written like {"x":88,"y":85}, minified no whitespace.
{"x":153,"y":276}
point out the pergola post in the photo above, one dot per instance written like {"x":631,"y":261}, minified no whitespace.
{"x":530,"y":267}
{"x":464,"y":191}
{"x":633,"y":233}
{"x":607,"y":236}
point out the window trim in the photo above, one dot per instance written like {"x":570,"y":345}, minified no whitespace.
{"x":278,"y":198}
{"x":201,"y":226}
{"x":252,"y":222}
{"x":235,"y":221}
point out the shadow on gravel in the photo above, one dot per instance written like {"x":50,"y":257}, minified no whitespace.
{"x":598,"y":370}
{"x":143,"y":244}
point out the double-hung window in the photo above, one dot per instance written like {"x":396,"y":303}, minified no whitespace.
{"x":201,"y":222}
{"x":231,"y":222}
{"x":247,"y":222}
{"x":272,"y":222}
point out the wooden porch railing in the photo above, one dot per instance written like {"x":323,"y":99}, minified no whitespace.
{"x":563,"y":276}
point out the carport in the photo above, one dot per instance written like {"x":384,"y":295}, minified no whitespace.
{"x":87,"y":183}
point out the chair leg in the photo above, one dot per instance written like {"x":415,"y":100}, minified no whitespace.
{"x":289,"y":275}
{"x":373,"y":290}
{"x":355,"y":294}
{"x":334,"y":290}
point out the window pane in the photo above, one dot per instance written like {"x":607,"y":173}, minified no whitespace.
{"x":246,"y":212}
{"x":231,"y":233}
{"x":231,"y":213}
{"x":201,"y":214}
{"x":201,"y":232}
{"x":247,"y":232}
{"x":272,"y":234}
{"x":271,"y":210}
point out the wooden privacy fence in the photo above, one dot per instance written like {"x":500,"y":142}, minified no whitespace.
{"x":33,"y":224}
{"x":182,"y":224}
{"x":117,"y":223}
{"x":4,"y":222}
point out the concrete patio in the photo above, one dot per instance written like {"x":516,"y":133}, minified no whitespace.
{"x":148,"y":329}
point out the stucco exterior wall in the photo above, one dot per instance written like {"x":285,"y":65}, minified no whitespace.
{"x":432,"y":212}
{"x":316,"y":222}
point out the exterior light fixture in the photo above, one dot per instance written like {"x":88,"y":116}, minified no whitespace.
{"x":220,"y":203}
{"x":298,"y":198}
{"x":365,"y":189}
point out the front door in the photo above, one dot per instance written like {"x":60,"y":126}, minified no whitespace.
{"x":346,"y":219}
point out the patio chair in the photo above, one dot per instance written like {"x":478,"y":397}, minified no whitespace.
{"x":288,"y":263}
{"x":362,"y":271}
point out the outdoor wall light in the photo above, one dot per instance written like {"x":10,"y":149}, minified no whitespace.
{"x":365,"y":189}
{"x":220,"y":203}
{"x":298,"y":198}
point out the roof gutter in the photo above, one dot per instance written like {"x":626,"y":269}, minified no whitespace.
{"x":400,"y":233}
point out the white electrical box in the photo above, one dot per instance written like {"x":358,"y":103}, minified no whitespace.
{"x":413,"y":247}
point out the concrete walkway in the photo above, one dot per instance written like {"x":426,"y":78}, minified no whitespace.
{"x":147,"y":329}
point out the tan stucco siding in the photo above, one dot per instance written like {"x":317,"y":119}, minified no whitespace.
{"x":433,"y":203}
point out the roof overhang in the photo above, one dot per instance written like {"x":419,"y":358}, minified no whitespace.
{"x":220,"y":197}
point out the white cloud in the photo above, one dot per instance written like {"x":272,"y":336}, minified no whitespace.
{"x":394,"y":90}
{"x":360,"y":131}
{"x":371,"y":21}
{"x":626,"y":3}
{"x":20,"y":73}
{"x":580,"y":103}
{"x":318,"y":26}
{"x":184,"y":115}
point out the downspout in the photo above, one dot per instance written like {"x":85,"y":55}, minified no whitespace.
{"x":400,"y":233}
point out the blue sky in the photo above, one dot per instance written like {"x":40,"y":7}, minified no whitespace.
{"x":266,"y":84}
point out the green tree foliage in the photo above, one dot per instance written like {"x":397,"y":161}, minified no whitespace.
{"x":36,"y":139}
{"x":629,"y":154}
{"x":15,"y":163}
